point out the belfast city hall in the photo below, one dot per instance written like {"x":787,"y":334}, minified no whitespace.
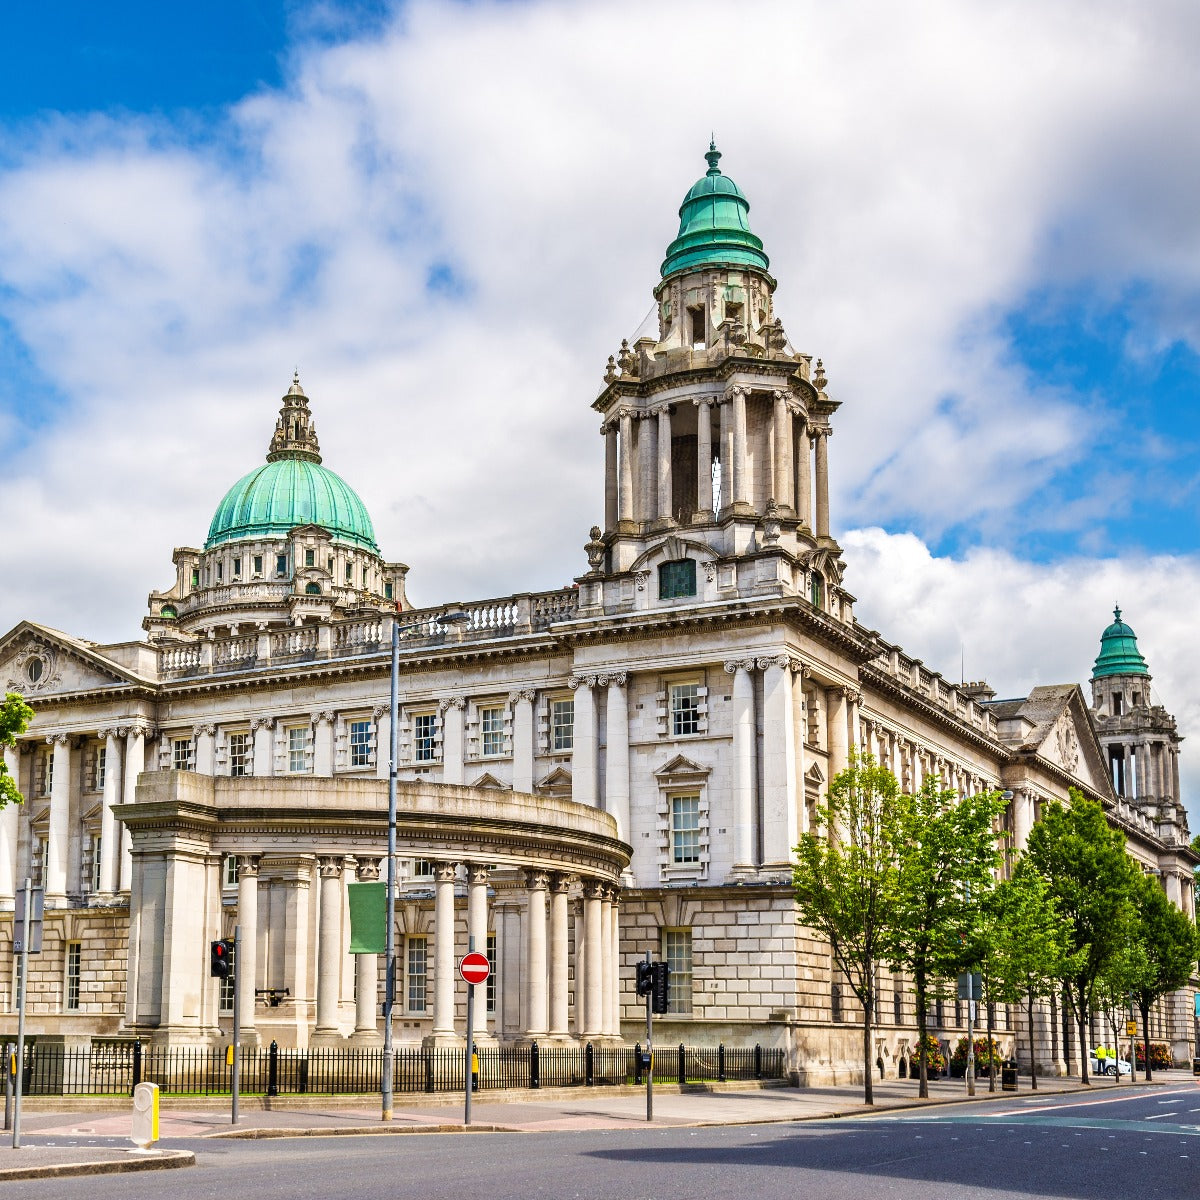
{"x":584,"y":775}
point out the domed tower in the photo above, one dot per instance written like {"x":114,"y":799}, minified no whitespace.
{"x":716,"y":432}
{"x":290,"y":541}
{"x":1139,"y":737}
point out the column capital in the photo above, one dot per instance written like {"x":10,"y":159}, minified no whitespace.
{"x":537,"y":881}
{"x":477,"y":873}
{"x":782,"y":661}
{"x":782,"y":395}
{"x":705,"y":401}
{"x":611,"y":679}
{"x":379,"y":712}
{"x":736,"y":391}
{"x":575,"y":682}
{"x":331,"y":866}
{"x":140,"y":730}
{"x":455,"y":701}
{"x":326,"y":717}
{"x":820,"y":429}
{"x":560,"y":882}
{"x":247,"y":864}
{"x":445,"y":872}
{"x":111,"y":731}
{"x":257,"y":723}
{"x":367,"y":869}
{"x":593,"y":889}
{"x":527,"y":694}
{"x":733,"y":665}
{"x":57,"y":739}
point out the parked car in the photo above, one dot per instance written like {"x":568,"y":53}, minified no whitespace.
{"x":1108,"y":1067}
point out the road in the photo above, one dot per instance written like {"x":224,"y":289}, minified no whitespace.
{"x":1114,"y":1145}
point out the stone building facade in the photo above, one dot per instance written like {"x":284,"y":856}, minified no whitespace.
{"x":585,"y":775}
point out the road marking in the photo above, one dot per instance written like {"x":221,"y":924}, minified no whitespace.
{"x":1159,"y":1116}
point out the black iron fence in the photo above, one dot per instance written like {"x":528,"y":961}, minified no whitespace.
{"x":116,"y":1068}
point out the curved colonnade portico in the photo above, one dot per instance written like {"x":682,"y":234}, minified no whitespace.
{"x":545,"y":872}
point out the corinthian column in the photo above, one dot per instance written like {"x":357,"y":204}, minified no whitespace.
{"x":626,"y":448}
{"x":477,"y":928}
{"x":804,"y":476}
{"x":536,"y":883}
{"x":780,"y":832}
{"x":610,"y":476}
{"x":366,"y":973}
{"x":559,"y":887}
{"x":822,"y":437}
{"x":583,"y":754}
{"x":58,"y":842}
{"x":616,"y":782}
{"x":110,"y":836}
{"x":443,"y":948}
{"x":783,"y":451}
{"x":743,"y":765}
{"x":741,"y":481}
{"x":9,"y":832}
{"x":329,"y":950}
{"x":704,"y":487}
{"x":664,"y":463}
{"x":135,"y":764}
{"x":246,"y":967}
{"x":593,"y":987}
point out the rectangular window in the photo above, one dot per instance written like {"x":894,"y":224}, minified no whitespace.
{"x":416,"y":974}
{"x":74,"y":953}
{"x":297,"y":750}
{"x":685,"y":709}
{"x":181,"y":754}
{"x":425,"y":737}
{"x":229,"y":873}
{"x":562,"y":725}
{"x":281,"y":564}
{"x":45,"y":772}
{"x":225,"y":994}
{"x":37,"y":860}
{"x":360,"y":743}
{"x":220,"y":572}
{"x":422,"y":868}
{"x":677,"y":579}
{"x":310,"y":558}
{"x":349,"y":572}
{"x":195,"y":579}
{"x":696,"y":320}
{"x":240,"y":751}
{"x":387,"y":591}
{"x":237,"y":568}
{"x":491,"y":732}
{"x":101,"y":766}
{"x":685,"y":829}
{"x":491,"y":979}
{"x":96,"y":863}
{"x":677,"y":953}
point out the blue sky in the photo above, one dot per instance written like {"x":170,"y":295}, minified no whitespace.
{"x":447,"y":215}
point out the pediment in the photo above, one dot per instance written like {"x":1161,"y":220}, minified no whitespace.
{"x":1065,"y":736}
{"x":814,"y":774}
{"x":557,"y":783}
{"x":488,"y":780}
{"x":37,"y":661}
{"x":671,"y":549}
{"x":680,"y":766}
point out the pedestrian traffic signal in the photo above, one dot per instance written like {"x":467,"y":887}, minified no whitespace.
{"x":645,"y":978}
{"x":220,"y":958}
{"x":661,"y":985}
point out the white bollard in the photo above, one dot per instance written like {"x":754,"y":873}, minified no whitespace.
{"x":145,"y":1115}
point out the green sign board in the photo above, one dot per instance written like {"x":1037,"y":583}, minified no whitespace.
{"x":368,"y":917}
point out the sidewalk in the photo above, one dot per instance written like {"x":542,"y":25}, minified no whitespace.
{"x":69,"y":1141}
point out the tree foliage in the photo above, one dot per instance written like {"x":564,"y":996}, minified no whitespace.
{"x":845,"y":877}
{"x":946,"y":854}
{"x":15,"y":716}
{"x":1091,"y":880}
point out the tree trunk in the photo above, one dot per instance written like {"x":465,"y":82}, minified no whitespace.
{"x":868,"y":1065}
{"x":922,"y":1028}
{"x":1032,"y":1048}
{"x":1081,"y":1023}
{"x":1145,"y":1042}
{"x":990,"y":1041}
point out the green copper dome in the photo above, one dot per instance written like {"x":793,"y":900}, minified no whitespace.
{"x":714,"y":229}
{"x":291,"y":489}
{"x":1119,"y":653}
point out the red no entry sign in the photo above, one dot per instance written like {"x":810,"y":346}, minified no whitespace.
{"x":474,"y":967}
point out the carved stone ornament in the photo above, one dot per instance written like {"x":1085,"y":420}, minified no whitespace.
{"x":594,"y":549}
{"x":1068,"y":743}
{"x":528,"y":694}
{"x":201,"y":730}
{"x":451,"y":702}
{"x":257,"y":723}
{"x":819,"y":381}
{"x":770,"y":524}
{"x":36,"y":669}
{"x":776,"y":660}
{"x":710,"y":570}
{"x":640,"y":578}
{"x":574,"y":682}
{"x":326,"y":718}
{"x":733,"y":665}
{"x":610,"y":371}
{"x":379,"y":712}
{"x":611,"y":679}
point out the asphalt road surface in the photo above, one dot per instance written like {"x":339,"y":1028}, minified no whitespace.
{"x":1115,"y":1144}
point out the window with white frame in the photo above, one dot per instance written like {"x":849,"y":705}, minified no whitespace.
{"x":684,"y":708}
{"x":416,"y":973}
{"x":74,"y":965}
{"x":360,"y":743}
{"x":241,"y":754}
{"x":685,"y":829}
{"x":100,"y":768}
{"x":229,"y":871}
{"x":37,"y":861}
{"x":96,"y":864}
{"x":45,"y":772}
{"x":297,"y":749}
{"x":562,"y":725}
{"x":491,"y":979}
{"x":677,"y":954}
{"x":422,"y":868}
{"x":182,"y":754}
{"x":491,"y":732}
{"x":424,"y":737}
{"x":225,"y":991}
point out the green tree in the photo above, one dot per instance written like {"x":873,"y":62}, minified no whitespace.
{"x":844,"y":881}
{"x":946,"y":853}
{"x":1168,"y":943}
{"x":1091,"y":879}
{"x":1027,"y":951}
{"x":15,"y":716}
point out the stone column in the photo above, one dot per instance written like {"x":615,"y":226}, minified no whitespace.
{"x":452,"y":739}
{"x":583,"y":754}
{"x":246,"y":967}
{"x":616,"y":779}
{"x":647,"y":466}
{"x":58,"y":841}
{"x":704,"y":487}
{"x":559,"y":1025}
{"x":610,"y":476}
{"x":329,"y":950}
{"x":134,"y":765}
{"x":664,"y":463}
{"x":726,"y":452}
{"x":783,"y":451}
{"x":580,"y":913}
{"x":743,"y":765}
{"x":263,"y":729}
{"x":593,"y":932}
{"x":110,"y":831}
{"x":204,"y":738}
{"x":780,"y":832}
{"x":607,"y":963}
{"x":9,"y":833}
{"x":522,"y":738}
{"x":822,"y":439}
{"x":626,"y":497}
{"x":838,"y":730}
{"x":614,"y":1023}
{"x":366,"y":973}
{"x":536,"y":883}
{"x":477,"y":928}
{"x":323,"y":743}
{"x":804,"y":476}
{"x":443,"y":950}
{"x":741,"y":482}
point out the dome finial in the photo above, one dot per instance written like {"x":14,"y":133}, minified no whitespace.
{"x":1116,"y":612}
{"x":713,"y":156}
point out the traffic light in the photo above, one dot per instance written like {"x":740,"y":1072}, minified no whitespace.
{"x":660,"y":982}
{"x":220,"y":958}
{"x":645,"y":978}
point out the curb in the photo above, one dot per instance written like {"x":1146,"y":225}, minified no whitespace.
{"x":163,"y":1160}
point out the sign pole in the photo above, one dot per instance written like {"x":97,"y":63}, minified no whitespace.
{"x":971,"y":1032}
{"x":649,"y":1053}
{"x":21,"y":1013}
{"x":470,"y":1037}
{"x":235,"y":1083}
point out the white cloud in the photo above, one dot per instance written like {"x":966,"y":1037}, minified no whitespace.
{"x":914,"y":171}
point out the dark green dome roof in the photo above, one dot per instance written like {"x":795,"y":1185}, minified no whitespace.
{"x":714,"y":227}
{"x":1119,"y":653}
{"x":292,"y":488}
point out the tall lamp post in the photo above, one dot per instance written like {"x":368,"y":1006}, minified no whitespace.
{"x":456,"y":618}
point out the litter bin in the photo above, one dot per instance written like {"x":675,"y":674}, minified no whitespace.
{"x":1008,"y":1076}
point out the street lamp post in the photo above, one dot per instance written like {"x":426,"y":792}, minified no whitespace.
{"x":451,"y":617}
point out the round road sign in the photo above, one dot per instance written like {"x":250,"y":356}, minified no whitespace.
{"x":474,"y":967}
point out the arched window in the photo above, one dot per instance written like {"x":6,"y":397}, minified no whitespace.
{"x":677,"y":579}
{"x":168,"y":611}
{"x":817,"y":590}
{"x":312,"y":589}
